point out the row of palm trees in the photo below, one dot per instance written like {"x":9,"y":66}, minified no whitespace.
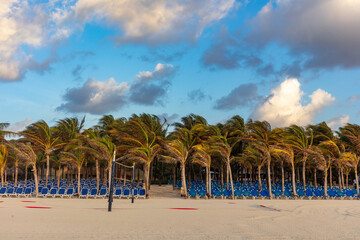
{"x":192,"y":143}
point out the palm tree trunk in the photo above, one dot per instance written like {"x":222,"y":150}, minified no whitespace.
{"x":2,"y":177}
{"x":230,"y":178}
{"x":331,"y":182}
{"x":315,"y":178}
{"x":222,"y":175}
{"x":16,"y":172}
{"x":79,"y":172}
{"x":36,"y":180}
{"x":357,"y":182}
{"x":342,"y":177}
{"x":97,"y":174}
{"x":183,"y":179}
{"x":269,"y":177}
{"x":339,"y":179}
{"x":148,"y":180}
{"x":282,"y":178}
{"x":347,"y":179}
{"x":26,"y":173}
{"x":259,"y":178}
{"x":209,"y":181}
{"x":227,"y":177}
{"x":304,"y":173}
{"x":293,"y":179}
{"x":59,"y":176}
{"x":47,"y":168}
{"x":174,"y":177}
{"x":325,"y":182}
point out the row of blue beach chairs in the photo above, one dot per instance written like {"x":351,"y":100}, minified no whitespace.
{"x":88,"y":189}
{"x":70,"y":192}
{"x":247,"y":190}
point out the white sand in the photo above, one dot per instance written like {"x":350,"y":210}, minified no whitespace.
{"x":152,"y":219}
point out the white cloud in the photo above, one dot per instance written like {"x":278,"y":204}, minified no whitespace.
{"x":95,"y":97}
{"x":338,"y":121}
{"x":23,"y":23}
{"x":160,"y":71}
{"x":156,"y":21}
{"x":149,"y":87}
{"x":283,"y":106}
{"x":19,"y":126}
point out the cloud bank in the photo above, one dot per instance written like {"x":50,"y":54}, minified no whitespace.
{"x":97,"y":97}
{"x":152,"y":22}
{"x":321,"y":34}
{"x":284,"y":107}
{"x":28,"y":25}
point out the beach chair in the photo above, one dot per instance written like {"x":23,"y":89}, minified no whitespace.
{"x":93,"y":193}
{"x":349,"y":193}
{"x":69,"y":193}
{"x":28,"y":191}
{"x":126,"y":193}
{"x":301,"y":193}
{"x":117,"y":193}
{"x":102,"y":193}
{"x":309,"y":193}
{"x":254,"y":193}
{"x":44,"y":192}
{"x":237,"y":193}
{"x":227,"y":194}
{"x":191,"y":193}
{"x":340,"y":194}
{"x":19,"y":191}
{"x":84,"y":193}
{"x":52,"y":192}
{"x":318,"y":193}
{"x":265,"y":193}
{"x":3,"y":191}
{"x":142,"y":193}
{"x":201,"y":193}
{"x":60,"y":193}
{"x":288,"y":194}
{"x":10,"y":192}
{"x":277,"y":193}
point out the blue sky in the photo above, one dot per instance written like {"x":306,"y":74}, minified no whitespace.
{"x":284,"y":61}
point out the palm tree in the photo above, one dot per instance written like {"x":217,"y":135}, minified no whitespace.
{"x":202,"y":155}
{"x":301,"y":141}
{"x":27,"y":154}
{"x":75,"y":153}
{"x":140,"y":145}
{"x":353,"y":161}
{"x":322,"y":132}
{"x":350,"y":135}
{"x":42,"y":136}
{"x":179,"y":151}
{"x":3,"y":159}
{"x":104,"y":149}
{"x":223,"y":144}
{"x":254,"y":156}
{"x":190,"y":121}
{"x":264,"y":139}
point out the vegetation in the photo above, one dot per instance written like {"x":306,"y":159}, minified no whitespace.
{"x":193,"y":150}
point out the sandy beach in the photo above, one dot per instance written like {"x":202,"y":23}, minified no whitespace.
{"x":175,"y":218}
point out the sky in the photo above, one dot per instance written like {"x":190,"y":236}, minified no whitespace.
{"x":283,"y":61}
